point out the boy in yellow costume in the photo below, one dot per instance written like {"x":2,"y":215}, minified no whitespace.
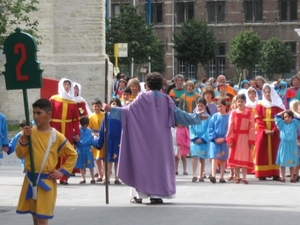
{"x":47,"y":144}
{"x":94,"y":124}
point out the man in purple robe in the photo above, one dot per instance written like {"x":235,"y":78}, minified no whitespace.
{"x":146,"y":159}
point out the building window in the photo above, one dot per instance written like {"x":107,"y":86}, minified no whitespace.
{"x":186,"y":70}
{"x":288,"y":10}
{"x":216,"y":12}
{"x":115,"y":10}
{"x":293,"y":46}
{"x":253,"y":11}
{"x":185,"y":11}
{"x":156,"y":11}
{"x":217,"y":66}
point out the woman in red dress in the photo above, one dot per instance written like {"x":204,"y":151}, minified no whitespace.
{"x":267,"y":137}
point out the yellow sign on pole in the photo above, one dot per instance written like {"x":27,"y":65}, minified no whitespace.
{"x":120,"y":50}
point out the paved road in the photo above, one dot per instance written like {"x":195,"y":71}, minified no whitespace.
{"x":259,"y":202}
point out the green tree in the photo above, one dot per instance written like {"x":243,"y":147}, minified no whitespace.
{"x":244,"y":50}
{"x":16,"y":13}
{"x":276,"y":57}
{"x":196,"y":43}
{"x":130,"y":27}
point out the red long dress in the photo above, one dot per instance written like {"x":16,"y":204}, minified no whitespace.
{"x":65,"y":119}
{"x":266,"y":144}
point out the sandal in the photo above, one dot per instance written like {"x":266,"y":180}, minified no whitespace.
{"x":194,"y":179}
{"x":230,"y":178}
{"x":282,"y":180}
{"x":212,"y":179}
{"x":82,"y":182}
{"x":293,"y":181}
{"x":245,"y":182}
{"x":222,"y":181}
{"x":117,"y":182}
{"x":104,"y":182}
{"x":156,"y":201}
{"x":136,"y":200}
{"x":201,"y":179}
{"x":185,"y":173}
{"x":93,"y":181}
{"x":237,"y":180}
{"x":99,"y":179}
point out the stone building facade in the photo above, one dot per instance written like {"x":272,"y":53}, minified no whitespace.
{"x":269,"y":18}
{"x":73,"y":46}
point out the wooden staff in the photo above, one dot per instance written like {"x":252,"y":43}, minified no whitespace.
{"x":105,"y":133}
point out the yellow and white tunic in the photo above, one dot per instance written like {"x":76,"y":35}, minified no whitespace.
{"x":43,"y":206}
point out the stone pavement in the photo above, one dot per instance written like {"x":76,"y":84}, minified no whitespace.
{"x":259,"y":202}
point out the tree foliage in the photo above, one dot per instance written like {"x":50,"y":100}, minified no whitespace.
{"x":196,"y":43}
{"x":276,"y":57}
{"x":16,"y":13}
{"x":130,"y":27}
{"x":245,"y":50}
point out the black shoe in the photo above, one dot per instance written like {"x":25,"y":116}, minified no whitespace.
{"x":156,"y":201}
{"x":63,"y":182}
{"x":212,"y":179}
{"x":136,"y":200}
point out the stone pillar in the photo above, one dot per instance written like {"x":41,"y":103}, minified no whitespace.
{"x":73,"y":46}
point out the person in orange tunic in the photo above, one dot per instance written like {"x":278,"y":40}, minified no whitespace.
{"x":267,"y":137}
{"x":65,"y":117}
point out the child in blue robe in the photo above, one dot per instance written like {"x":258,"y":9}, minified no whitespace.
{"x":84,"y":150}
{"x":3,"y":136}
{"x":217,"y":129}
{"x":199,"y":141}
{"x":114,"y":131}
{"x":287,"y":155}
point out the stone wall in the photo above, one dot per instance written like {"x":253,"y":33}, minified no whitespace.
{"x":73,"y":46}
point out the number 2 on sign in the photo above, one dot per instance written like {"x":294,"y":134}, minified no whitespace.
{"x":20,"y":49}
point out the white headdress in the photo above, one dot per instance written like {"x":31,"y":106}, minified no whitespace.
{"x":275,"y":99}
{"x":249,"y":103}
{"x":62,"y":92}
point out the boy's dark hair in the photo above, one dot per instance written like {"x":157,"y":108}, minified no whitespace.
{"x":43,"y":104}
{"x":84,"y":120}
{"x":127,"y":90}
{"x":289,"y":112}
{"x":96,"y":101}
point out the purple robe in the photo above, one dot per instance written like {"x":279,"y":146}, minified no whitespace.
{"x":146,"y":159}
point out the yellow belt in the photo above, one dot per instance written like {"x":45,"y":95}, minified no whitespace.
{"x":268,"y":120}
{"x":61,"y":121}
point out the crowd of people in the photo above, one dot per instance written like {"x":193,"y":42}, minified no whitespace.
{"x":248,"y":128}
{"x":251,"y":129}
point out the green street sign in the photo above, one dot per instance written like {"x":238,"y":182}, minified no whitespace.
{"x":22,"y":70}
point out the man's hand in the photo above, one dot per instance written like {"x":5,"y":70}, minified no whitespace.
{"x":106,"y":107}
{"x":55,"y":174}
